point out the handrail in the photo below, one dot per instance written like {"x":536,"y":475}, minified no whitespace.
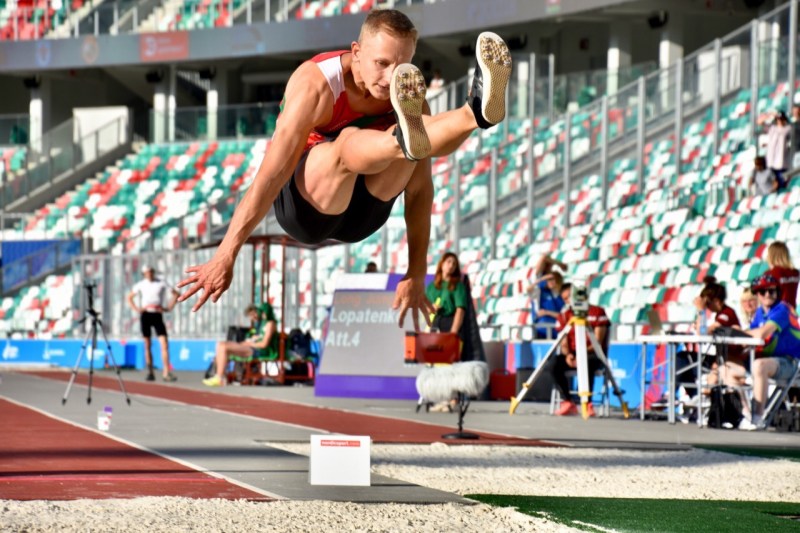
{"x":119,"y":12}
{"x":60,"y":153}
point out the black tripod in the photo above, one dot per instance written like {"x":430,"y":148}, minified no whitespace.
{"x":92,"y":334}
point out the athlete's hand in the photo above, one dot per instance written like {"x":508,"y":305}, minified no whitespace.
{"x":410,"y":295}
{"x":213,"y":277}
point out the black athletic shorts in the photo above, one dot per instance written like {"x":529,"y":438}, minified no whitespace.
{"x":364,"y":215}
{"x":150,"y":321}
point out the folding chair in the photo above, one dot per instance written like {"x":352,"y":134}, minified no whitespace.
{"x":779,"y":394}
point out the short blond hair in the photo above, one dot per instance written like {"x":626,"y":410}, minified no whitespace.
{"x":778,"y":255}
{"x":391,"y":21}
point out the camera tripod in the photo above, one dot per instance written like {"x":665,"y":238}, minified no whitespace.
{"x":91,"y":335}
{"x":582,"y":333}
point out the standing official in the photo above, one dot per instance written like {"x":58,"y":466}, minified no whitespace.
{"x":152,"y":293}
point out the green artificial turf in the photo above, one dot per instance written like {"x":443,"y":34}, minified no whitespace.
{"x":667,"y":516}
{"x":792,"y":454}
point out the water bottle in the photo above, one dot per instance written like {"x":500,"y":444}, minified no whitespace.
{"x":703,"y":322}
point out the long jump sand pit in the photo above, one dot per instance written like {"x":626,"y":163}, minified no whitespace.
{"x":691,"y":474}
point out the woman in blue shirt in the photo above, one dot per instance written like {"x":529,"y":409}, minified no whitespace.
{"x":777,"y":324}
{"x":547,"y":304}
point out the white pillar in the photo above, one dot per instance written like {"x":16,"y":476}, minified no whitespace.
{"x":171,"y":103}
{"x":159,"y":113}
{"x":670,"y":47}
{"x":217,"y":95}
{"x":523,"y":75}
{"x":39,"y":111}
{"x":619,"y":54}
{"x":212,"y":105}
{"x":35,"y":111}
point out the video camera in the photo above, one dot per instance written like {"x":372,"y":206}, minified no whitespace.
{"x":580,"y":298}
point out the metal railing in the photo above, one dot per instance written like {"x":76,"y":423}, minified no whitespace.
{"x":134,"y":16}
{"x":224,"y":122}
{"x":36,"y":265}
{"x":114,"y":277}
{"x":57,"y":152}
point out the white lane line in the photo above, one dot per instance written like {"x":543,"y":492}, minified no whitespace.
{"x":148,"y":450}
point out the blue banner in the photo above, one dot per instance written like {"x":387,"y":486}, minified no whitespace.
{"x":184,"y":354}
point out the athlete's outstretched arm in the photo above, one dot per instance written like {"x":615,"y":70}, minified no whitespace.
{"x":410,"y":294}
{"x":307,"y":103}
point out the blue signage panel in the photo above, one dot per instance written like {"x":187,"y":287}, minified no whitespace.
{"x":184,"y":354}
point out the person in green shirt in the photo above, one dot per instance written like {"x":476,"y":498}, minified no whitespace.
{"x":262,"y":343}
{"x":448,"y":295}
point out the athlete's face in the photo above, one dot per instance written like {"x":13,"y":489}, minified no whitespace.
{"x":376,"y":57}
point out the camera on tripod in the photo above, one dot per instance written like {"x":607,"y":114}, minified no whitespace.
{"x":91,"y":318}
{"x":90,"y":285}
{"x":580,"y":298}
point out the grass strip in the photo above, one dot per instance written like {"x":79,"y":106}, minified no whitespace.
{"x":792,"y":454}
{"x":667,"y":516}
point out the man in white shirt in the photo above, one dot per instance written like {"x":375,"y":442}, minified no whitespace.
{"x":152,"y":293}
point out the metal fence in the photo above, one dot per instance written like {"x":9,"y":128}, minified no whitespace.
{"x":114,"y":276}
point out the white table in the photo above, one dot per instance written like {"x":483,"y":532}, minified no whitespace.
{"x":672,"y":342}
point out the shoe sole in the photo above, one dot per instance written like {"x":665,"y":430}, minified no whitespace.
{"x":494,"y":60}
{"x":408,"y":96}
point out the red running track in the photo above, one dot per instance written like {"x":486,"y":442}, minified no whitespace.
{"x":382,"y":429}
{"x":42,"y":458}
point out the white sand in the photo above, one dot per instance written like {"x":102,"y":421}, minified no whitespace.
{"x":459,"y":469}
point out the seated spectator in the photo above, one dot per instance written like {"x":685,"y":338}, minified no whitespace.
{"x":782,"y":269}
{"x":777,"y":324}
{"x":546,"y":304}
{"x":371,"y":268}
{"x":748,"y":304}
{"x":686,"y":358}
{"x":596,"y":320}
{"x":733,"y":372}
{"x":261,"y":344}
{"x":763,"y":179}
